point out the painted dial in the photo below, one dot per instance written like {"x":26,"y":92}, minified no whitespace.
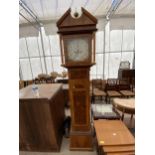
{"x":78,"y":49}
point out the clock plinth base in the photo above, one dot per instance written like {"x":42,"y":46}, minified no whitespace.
{"x":81,"y":141}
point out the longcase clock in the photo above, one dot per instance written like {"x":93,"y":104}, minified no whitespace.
{"x":77,"y":41}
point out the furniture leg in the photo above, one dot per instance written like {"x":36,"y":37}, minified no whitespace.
{"x":122,"y":116}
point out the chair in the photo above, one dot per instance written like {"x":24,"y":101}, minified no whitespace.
{"x":124,"y":88}
{"x":112,"y":89}
{"x":98,"y":89}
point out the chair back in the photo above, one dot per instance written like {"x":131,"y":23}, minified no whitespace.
{"x":97,"y":83}
{"x":112,"y":84}
{"x":103,"y":84}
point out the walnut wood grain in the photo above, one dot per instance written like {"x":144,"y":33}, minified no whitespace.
{"x":41,"y":119}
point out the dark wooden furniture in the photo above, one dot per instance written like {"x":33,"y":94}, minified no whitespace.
{"x":41,"y":118}
{"x":128,"y":74}
{"x":65,"y":90}
{"x":113,"y":137}
{"x":124,"y":88}
{"x":77,"y":40}
{"x":112,"y":89}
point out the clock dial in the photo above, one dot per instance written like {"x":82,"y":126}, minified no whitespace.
{"x":78,"y":49}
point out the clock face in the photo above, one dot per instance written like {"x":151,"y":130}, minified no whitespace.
{"x":78,"y":49}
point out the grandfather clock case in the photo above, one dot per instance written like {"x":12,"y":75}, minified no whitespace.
{"x":77,"y":41}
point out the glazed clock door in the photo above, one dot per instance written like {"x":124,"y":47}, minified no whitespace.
{"x":77,"y":49}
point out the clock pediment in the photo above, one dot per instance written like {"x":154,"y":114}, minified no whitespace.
{"x":77,"y":38}
{"x":76,"y":22}
{"x":84,"y":20}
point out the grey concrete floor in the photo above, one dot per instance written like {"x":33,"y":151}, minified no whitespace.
{"x":64,"y":151}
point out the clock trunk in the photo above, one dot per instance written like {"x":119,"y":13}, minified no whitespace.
{"x":81,"y":130}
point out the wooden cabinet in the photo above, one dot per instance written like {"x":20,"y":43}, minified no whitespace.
{"x":41,"y":119}
{"x":126,"y":74}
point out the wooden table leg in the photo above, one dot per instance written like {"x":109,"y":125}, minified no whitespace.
{"x":123,"y":114}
